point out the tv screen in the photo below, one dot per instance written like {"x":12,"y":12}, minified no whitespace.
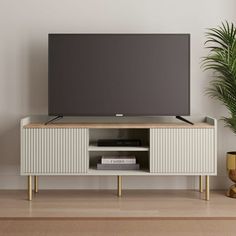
{"x":128,"y":74}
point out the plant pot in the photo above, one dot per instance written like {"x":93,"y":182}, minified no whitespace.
{"x":231,"y":168}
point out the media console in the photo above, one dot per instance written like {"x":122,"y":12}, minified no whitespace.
{"x":169,"y":147}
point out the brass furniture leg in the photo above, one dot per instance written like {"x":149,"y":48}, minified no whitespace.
{"x":36,"y":184}
{"x":200,"y":184}
{"x":29,"y":187}
{"x":119,"y":185}
{"x":207,"y":194}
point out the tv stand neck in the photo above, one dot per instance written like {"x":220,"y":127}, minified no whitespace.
{"x":53,"y":119}
{"x":184,"y":120}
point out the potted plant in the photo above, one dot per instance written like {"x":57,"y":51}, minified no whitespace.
{"x":221,"y":42}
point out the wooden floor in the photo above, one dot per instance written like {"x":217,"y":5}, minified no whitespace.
{"x":133,"y":203}
{"x":130,"y":227}
{"x":137,"y":212}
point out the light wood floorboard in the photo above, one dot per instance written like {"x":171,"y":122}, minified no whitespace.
{"x":146,"y":204}
{"x":117,"y":228}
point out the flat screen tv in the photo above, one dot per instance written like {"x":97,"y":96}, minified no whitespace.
{"x":127,"y":74}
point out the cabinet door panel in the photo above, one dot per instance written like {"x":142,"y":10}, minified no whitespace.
{"x":54,"y":151}
{"x":182,"y":151}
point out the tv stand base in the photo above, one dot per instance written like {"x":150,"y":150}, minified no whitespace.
{"x":184,"y":120}
{"x":53,"y":119}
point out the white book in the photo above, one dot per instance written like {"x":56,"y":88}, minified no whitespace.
{"x":118,"y":160}
{"x":118,"y":166}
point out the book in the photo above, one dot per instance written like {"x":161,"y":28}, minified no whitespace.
{"x":118,"y":160}
{"x":117,"y":166}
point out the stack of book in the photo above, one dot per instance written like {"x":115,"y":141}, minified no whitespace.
{"x":118,"y":163}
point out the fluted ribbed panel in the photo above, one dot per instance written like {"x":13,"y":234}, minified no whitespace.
{"x":54,"y":151}
{"x":182,"y":150}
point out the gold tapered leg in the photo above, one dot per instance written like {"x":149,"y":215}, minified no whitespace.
{"x":119,"y":185}
{"x":29,"y":188}
{"x":200,"y":184}
{"x":36,"y":184}
{"x":207,"y":193}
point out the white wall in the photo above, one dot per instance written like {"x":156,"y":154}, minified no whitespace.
{"x":24,"y":26}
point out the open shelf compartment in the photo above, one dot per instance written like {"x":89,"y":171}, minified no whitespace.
{"x":140,"y":152}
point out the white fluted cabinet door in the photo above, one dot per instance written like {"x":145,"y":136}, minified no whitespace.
{"x":183,"y":151}
{"x":50,"y":151}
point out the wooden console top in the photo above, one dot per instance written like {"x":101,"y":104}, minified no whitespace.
{"x":119,"y":125}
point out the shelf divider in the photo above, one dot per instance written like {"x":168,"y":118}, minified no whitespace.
{"x":93,"y":148}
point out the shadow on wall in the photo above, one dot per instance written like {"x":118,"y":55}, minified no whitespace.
{"x":25,"y":85}
{"x":10,"y":145}
{"x":38,"y":77}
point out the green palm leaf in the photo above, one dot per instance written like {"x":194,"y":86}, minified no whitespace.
{"x":221,"y":59}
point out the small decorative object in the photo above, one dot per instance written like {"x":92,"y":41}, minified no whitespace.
{"x":221,"y":42}
{"x":231,"y":168}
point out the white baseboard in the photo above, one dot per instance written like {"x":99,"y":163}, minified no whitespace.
{"x":109,"y":182}
{"x":10,"y":179}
